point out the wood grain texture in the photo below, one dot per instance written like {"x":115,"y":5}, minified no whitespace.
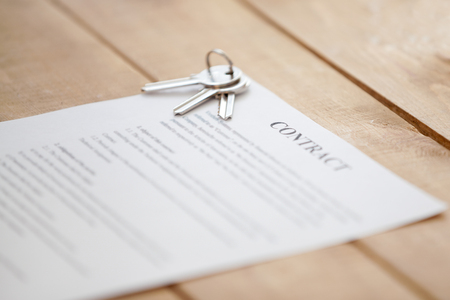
{"x":338,"y":273}
{"x":398,"y":50}
{"x":169,"y":39}
{"x":47,"y":62}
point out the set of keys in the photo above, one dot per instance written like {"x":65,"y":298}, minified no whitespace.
{"x":222,"y":82}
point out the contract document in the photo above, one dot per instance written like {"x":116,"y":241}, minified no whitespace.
{"x":118,"y":196}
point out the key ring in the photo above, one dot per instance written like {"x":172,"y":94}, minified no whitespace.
{"x":224,"y":55}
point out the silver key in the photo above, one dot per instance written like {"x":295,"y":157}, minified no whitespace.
{"x":226,"y":105}
{"x":213,"y":77}
{"x":206,"y":93}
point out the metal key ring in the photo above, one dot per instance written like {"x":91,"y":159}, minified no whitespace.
{"x":224,"y":55}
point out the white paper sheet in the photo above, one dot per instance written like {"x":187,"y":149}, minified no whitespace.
{"x":117,"y":196}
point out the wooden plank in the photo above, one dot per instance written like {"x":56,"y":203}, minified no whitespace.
{"x":419,"y":251}
{"x":315,"y":275}
{"x":397,"y":50}
{"x":48,"y":63}
{"x":169,"y":40}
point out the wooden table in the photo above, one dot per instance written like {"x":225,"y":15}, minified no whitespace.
{"x":374,"y":72}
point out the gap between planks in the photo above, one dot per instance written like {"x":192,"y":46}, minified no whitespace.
{"x":421,"y":127}
{"x":413,"y":286}
{"x":80,"y":22}
{"x":400,"y":277}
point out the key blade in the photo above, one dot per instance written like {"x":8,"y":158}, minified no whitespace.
{"x":196,"y":100}
{"x":230,"y":105}
{"x":223,"y":106}
{"x":169,"y":84}
{"x":226,"y":105}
